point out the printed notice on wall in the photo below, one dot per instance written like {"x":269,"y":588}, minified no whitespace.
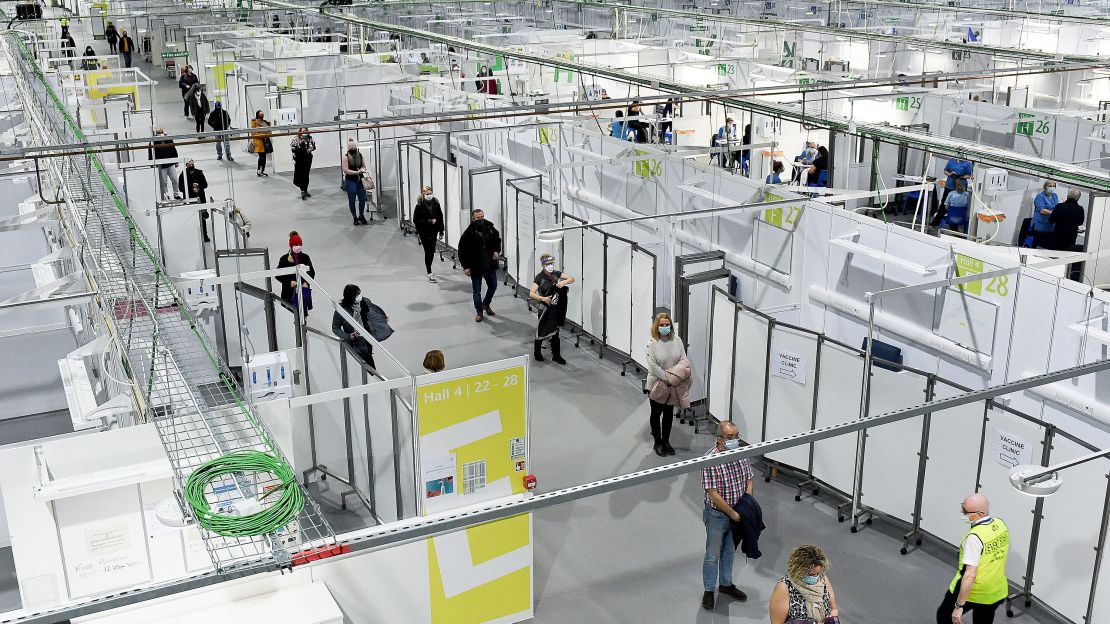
{"x":1009,"y":450}
{"x":789,"y":366}
{"x":439,"y":476}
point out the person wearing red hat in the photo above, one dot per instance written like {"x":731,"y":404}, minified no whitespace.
{"x":295,"y":256}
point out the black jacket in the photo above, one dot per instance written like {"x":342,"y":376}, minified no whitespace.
{"x":219,"y":119}
{"x":111,"y":34}
{"x":286,"y":260}
{"x":187,"y":179}
{"x":477,"y":246}
{"x":1066,"y":219}
{"x":186,"y":82}
{"x":745,"y":534}
{"x":422,"y":216}
{"x":160,"y":150}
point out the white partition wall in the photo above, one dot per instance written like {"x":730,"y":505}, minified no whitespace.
{"x":593,"y":284}
{"x":618,"y":294}
{"x":838,"y":401}
{"x":954,"y":440}
{"x":572,"y":265}
{"x":721,"y":356}
{"x":643,"y":302}
{"x":791,"y":383}
{"x":750,"y":374}
{"x":890,"y":466}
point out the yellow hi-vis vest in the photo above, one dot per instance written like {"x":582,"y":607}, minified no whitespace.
{"x":990,"y":577}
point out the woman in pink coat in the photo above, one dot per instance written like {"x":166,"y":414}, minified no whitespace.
{"x":665,"y":352}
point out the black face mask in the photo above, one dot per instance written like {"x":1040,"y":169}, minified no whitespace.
{"x":190,"y":167}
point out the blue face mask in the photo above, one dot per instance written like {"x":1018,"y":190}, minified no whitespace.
{"x":732,"y":445}
{"x":810,"y":580}
{"x":665,"y":331}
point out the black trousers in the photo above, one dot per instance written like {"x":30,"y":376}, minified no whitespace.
{"x":556,"y":348}
{"x":660,"y":420}
{"x":262,"y":162}
{"x":980,"y":613}
{"x":429,"y":245}
{"x":186,"y":105}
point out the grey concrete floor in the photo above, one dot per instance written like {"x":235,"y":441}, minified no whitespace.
{"x":632,"y":556}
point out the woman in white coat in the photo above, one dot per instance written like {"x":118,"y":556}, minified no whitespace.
{"x":663,"y":352}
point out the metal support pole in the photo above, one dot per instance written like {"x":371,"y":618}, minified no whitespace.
{"x":811,"y":481}
{"x":864,"y":410}
{"x":1100,"y":549}
{"x":922,"y":460}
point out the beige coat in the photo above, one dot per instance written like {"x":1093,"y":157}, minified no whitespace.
{"x":675,"y":389}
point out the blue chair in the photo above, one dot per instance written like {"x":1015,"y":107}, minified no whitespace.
{"x":822,"y":179}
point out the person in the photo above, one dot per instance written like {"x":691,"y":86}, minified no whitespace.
{"x":618,"y":129}
{"x":665,"y":112}
{"x":634,"y":123}
{"x":805,"y":593}
{"x":198,"y":106}
{"x":479,"y":247}
{"x":354,"y":167}
{"x":302,"y":145}
{"x":956,"y":208}
{"x":776,"y":172}
{"x":219,"y":120}
{"x":724,"y":485}
{"x":111,"y":36}
{"x":726,"y":134}
{"x":162,"y":150}
{"x":1043,"y":206}
{"x":288,"y":281}
{"x":746,"y":154}
{"x":956,"y":169}
{"x":428,"y":219}
{"x":549,"y":289}
{"x":808,"y":155}
{"x":276,"y":25}
{"x":261,"y":142}
{"x":485,"y":81}
{"x":434,"y":361}
{"x":424,"y":58}
{"x":358,"y":307}
{"x":820,"y":164}
{"x":192,"y":182}
{"x":980,"y":584}
{"x":126,"y":47}
{"x":185,"y":82}
{"x":69,"y":46}
{"x":89,"y":62}
{"x":664,"y":351}
{"x":1066,"y":220}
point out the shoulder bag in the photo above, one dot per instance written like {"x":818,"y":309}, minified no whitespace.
{"x":376,"y":322}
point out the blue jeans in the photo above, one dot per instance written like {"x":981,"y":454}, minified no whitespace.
{"x":355,"y":189}
{"x":221,"y":145}
{"x":491,"y":287}
{"x":719,"y":550}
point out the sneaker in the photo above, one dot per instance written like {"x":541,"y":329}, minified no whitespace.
{"x":362,"y":220}
{"x":307,"y":194}
{"x":707,"y":600}
{"x":258,"y":173}
{"x":489,"y":311}
{"x":558,"y":359}
{"x":230,"y":159}
{"x":219,"y":157}
{"x":356,"y":221}
{"x":478,"y":317}
{"x":733,"y":591}
{"x":265,"y":175}
{"x":431,"y":278}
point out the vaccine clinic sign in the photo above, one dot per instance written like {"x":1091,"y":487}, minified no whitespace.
{"x":1009,"y":450}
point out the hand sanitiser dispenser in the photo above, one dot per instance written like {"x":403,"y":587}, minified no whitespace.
{"x":269,"y":376}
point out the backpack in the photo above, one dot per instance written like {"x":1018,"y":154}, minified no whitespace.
{"x":374,"y":317}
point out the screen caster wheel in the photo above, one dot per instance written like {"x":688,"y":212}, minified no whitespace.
{"x":854,"y":529}
{"x":1009,"y":613}
{"x":797,"y":497}
{"x":903,"y":550}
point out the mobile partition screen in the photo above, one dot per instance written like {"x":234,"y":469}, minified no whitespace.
{"x":613,"y":300}
{"x":775,"y":379}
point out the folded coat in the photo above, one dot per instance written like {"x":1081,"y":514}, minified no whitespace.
{"x":675,"y":390}
{"x":745,"y":533}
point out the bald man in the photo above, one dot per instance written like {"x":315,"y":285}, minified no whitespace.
{"x":725,"y":484}
{"x":980,"y":584}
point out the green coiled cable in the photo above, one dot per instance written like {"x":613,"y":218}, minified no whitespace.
{"x":279,"y":514}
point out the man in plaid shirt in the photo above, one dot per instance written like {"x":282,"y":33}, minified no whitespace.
{"x":724,"y":485}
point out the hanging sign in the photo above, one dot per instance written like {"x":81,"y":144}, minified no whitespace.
{"x":789,"y":366}
{"x":1009,"y":450}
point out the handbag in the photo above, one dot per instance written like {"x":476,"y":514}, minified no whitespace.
{"x":305,"y":293}
{"x":267,"y":145}
{"x":375,"y":321}
{"x":367,"y":183}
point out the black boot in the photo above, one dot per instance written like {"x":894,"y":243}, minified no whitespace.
{"x":538,"y":354}
{"x":556,"y":351}
{"x":659,"y":449}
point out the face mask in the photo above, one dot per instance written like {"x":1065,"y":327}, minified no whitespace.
{"x":550,"y":268}
{"x":358,"y":299}
{"x":1051,"y":189}
{"x":190,"y":167}
{"x":297,"y":248}
{"x":732,"y":445}
{"x":665,"y":330}
{"x":965,"y":518}
{"x":429,"y":197}
{"x":810,"y":580}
